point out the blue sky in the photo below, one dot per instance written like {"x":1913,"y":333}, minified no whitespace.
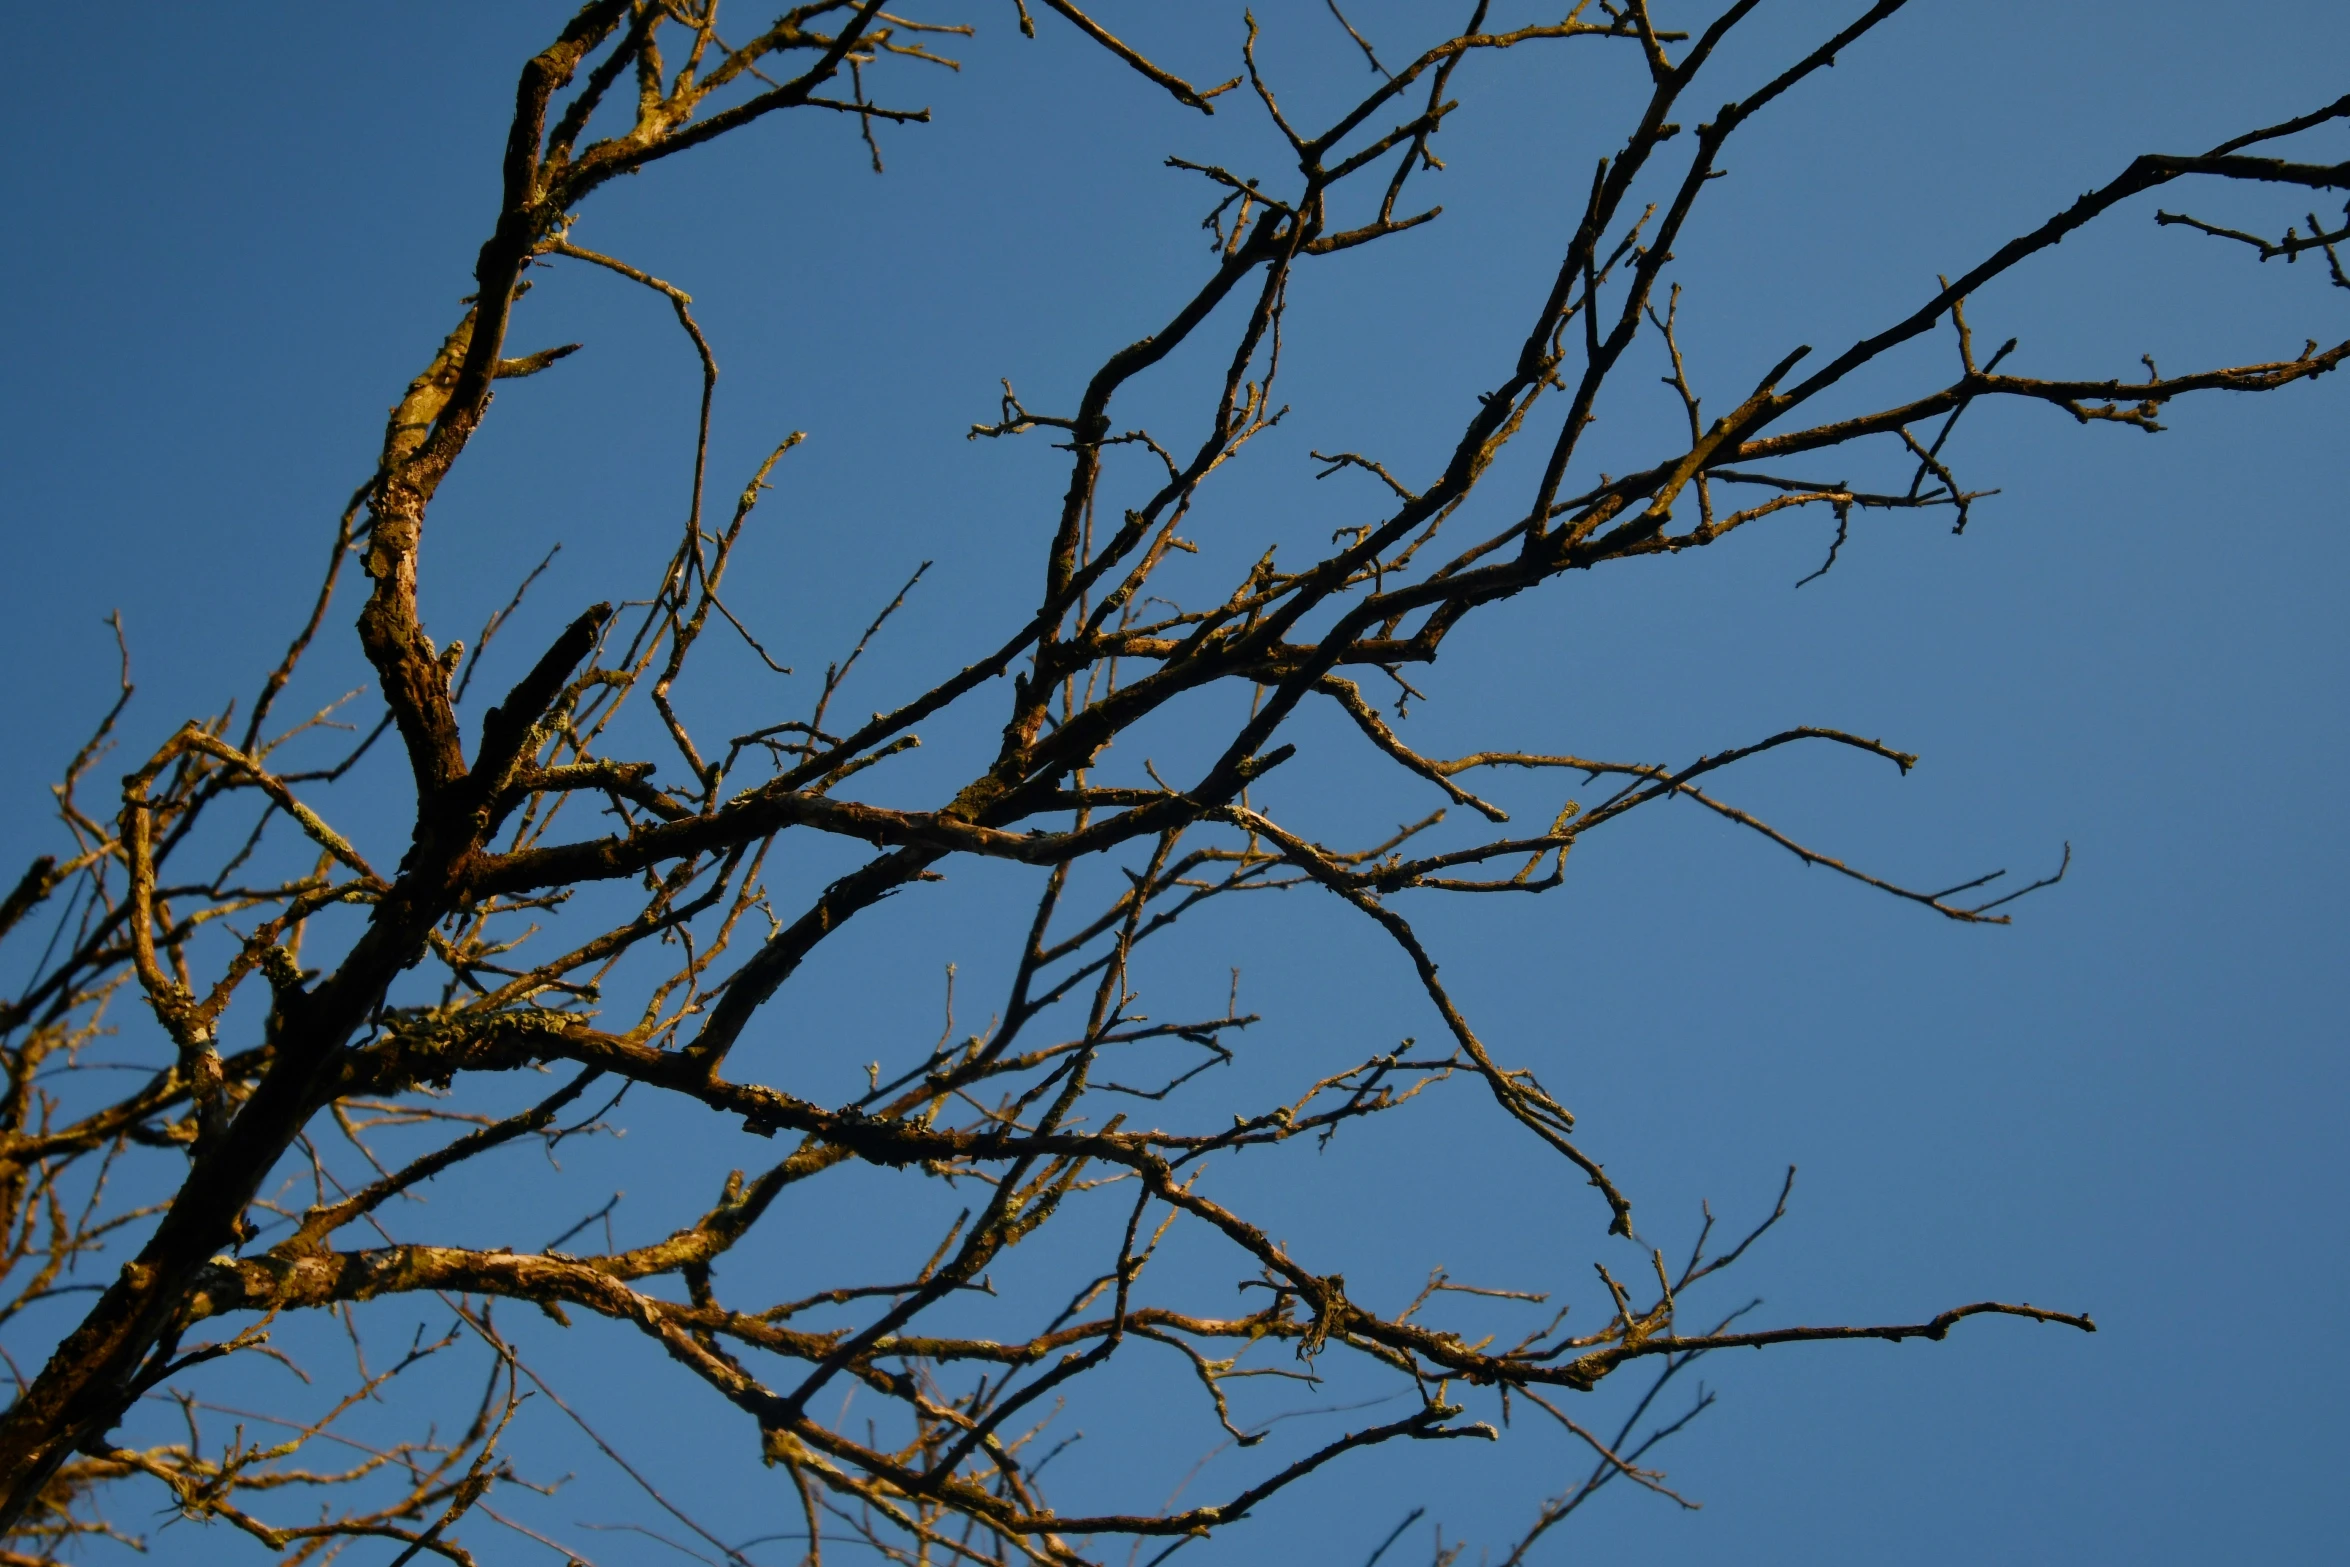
{"x":234,"y":241}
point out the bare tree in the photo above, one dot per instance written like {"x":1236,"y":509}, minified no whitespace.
{"x":316,"y":1004}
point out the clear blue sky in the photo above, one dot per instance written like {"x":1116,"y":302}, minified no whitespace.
{"x":235,"y":234}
